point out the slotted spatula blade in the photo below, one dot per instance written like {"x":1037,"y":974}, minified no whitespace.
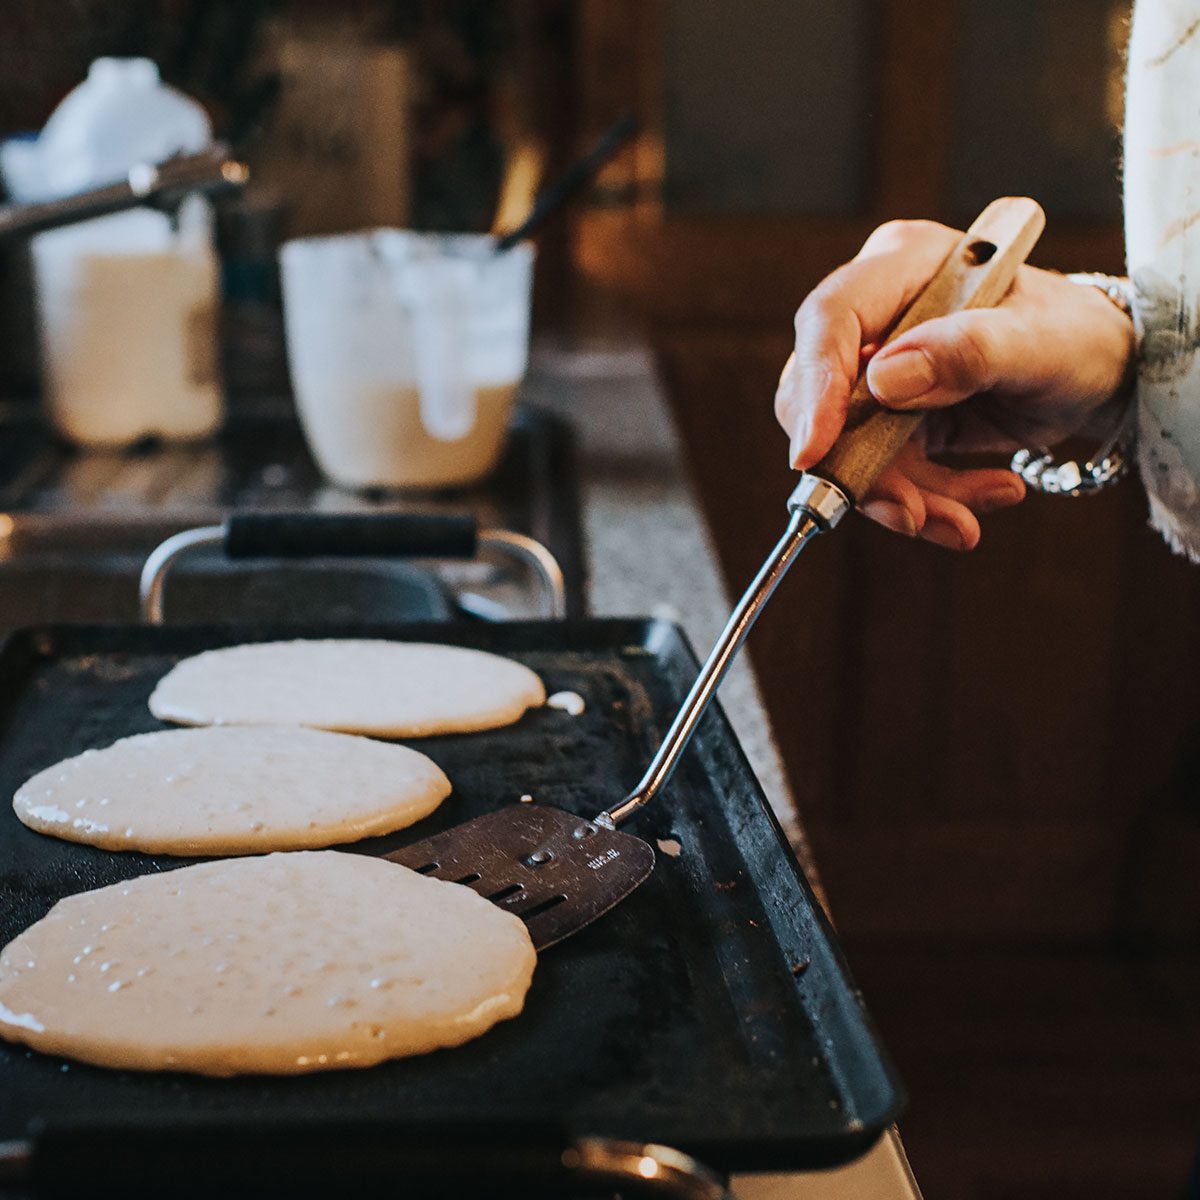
{"x":556,"y":871}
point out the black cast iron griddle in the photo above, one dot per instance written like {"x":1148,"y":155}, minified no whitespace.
{"x":711,"y":1010}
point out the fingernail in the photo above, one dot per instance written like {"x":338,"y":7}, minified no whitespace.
{"x":943,"y":533}
{"x":891,"y":515}
{"x":901,"y":377}
{"x":1001,"y":497}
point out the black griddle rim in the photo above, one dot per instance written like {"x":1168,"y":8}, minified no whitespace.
{"x":869,"y":1076}
{"x":880,"y":1102}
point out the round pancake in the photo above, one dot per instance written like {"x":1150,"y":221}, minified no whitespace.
{"x":281,"y":964}
{"x":392,"y":689}
{"x":232,"y":791}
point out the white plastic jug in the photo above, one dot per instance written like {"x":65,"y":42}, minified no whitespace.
{"x":406,"y":351}
{"x":127,"y":304}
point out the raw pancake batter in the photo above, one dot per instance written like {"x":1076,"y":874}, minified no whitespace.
{"x":281,"y":964}
{"x":393,"y":689}
{"x":232,"y":791}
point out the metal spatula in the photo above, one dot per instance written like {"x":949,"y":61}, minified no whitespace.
{"x":557,"y":871}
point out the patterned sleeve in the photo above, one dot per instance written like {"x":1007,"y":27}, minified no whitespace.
{"x":1162,"y":237}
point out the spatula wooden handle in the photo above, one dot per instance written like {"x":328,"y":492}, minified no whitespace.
{"x":977,"y":273}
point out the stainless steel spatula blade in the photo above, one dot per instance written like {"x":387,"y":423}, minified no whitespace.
{"x":556,"y":871}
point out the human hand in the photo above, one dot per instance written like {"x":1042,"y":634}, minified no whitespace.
{"x":1049,"y":361}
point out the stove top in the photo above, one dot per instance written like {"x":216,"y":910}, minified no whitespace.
{"x":77,"y":524}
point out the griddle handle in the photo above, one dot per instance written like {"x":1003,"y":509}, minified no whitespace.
{"x":351,"y":535}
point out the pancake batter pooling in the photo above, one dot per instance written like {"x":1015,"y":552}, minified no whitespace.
{"x":232,"y":791}
{"x":392,"y":689}
{"x":282,"y":964}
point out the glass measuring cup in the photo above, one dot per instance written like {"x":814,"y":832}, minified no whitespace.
{"x":406,"y":351}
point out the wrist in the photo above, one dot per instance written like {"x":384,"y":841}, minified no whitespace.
{"x":1119,"y":302}
{"x":1111,"y":421}
{"x":1116,"y":294}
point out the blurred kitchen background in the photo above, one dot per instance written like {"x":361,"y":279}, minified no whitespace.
{"x":996,"y":756}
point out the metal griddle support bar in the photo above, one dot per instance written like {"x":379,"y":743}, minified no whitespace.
{"x":816,"y":505}
{"x":592,"y":1163}
{"x":409,"y":535}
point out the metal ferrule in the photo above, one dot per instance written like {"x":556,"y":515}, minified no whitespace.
{"x":825,"y":502}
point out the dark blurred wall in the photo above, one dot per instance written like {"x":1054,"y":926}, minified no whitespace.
{"x":1051,"y":128}
{"x":766,"y":114}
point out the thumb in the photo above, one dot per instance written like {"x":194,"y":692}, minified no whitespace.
{"x":947,"y":359}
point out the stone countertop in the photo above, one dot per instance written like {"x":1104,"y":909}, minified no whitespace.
{"x":649,"y":553}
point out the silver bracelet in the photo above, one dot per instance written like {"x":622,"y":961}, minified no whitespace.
{"x":1038,"y":468}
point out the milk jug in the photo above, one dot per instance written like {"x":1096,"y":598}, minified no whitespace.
{"x":126,"y":303}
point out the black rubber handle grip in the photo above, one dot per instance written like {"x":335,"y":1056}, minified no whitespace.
{"x":350,"y":535}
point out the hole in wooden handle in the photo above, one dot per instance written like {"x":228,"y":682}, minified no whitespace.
{"x":980,"y":252}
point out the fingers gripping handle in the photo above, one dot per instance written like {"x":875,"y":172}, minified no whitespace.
{"x":977,"y":273}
